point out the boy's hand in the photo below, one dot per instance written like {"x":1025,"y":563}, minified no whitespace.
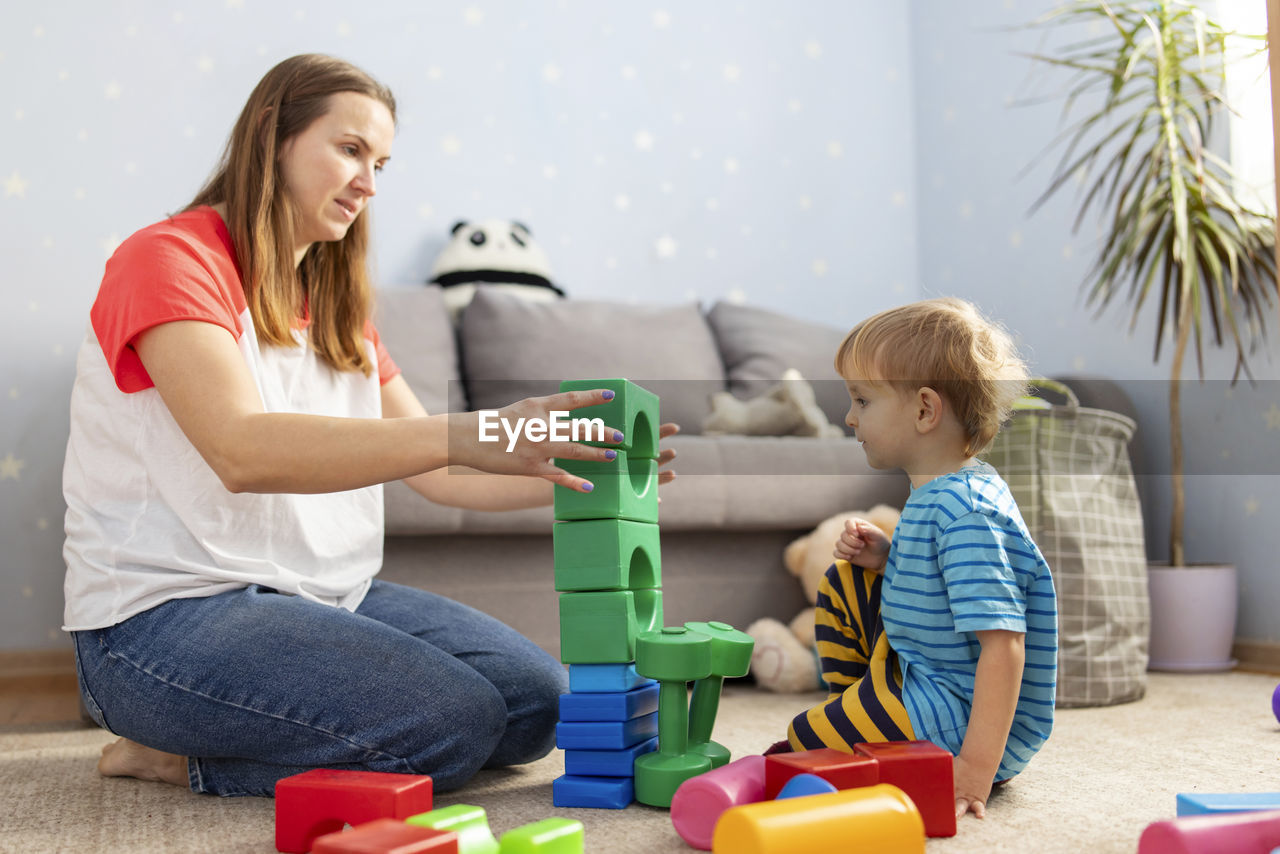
{"x":973,"y":787}
{"x":863,"y":544}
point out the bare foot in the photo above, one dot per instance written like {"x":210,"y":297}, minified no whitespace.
{"x":125,"y":758}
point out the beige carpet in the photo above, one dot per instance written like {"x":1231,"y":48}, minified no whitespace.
{"x":1104,"y":775}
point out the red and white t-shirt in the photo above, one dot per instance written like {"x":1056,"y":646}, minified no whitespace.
{"x":147,"y":519}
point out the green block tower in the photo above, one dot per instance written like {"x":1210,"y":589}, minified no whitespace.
{"x":608,"y":570}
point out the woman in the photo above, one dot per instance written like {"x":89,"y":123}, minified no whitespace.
{"x":233,"y":418}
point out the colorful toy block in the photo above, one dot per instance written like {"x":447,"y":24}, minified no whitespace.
{"x":840,"y":769}
{"x":387,"y":836}
{"x":613,"y":793}
{"x":606,"y":735}
{"x":322,"y":801}
{"x":673,"y":656}
{"x":633,"y":410}
{"x":469,"y":822}
{"x":605,"y":678}
{"x":730,"y":659}
{"x":624,"y":488}
{"x":610,"y":707}
{"x":700,"y":801}
{"x":923,"y":771}
{"x":803,"y":785}
{"x":1239,"y":833}
{"x":1211,"y":804}
{"x":549,"y":836}
{"x":601,"y":628}
{"x":878,"y":818}
{"x":606,"y":554}
{"x":607,"y":763}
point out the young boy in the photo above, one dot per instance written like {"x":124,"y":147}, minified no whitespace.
{"x":949,"y":632}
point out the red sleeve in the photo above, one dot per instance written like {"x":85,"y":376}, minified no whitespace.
{"x":175,"y":270}
{"x":387,"y":368}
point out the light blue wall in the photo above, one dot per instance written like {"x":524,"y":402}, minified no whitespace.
{"x":828,"y":159}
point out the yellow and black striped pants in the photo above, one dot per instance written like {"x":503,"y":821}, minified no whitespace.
{"x":861,"y":670}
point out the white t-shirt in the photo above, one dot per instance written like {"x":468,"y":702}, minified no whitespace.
{"x":147,"y":519}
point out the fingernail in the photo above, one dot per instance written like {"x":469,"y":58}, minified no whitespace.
{"x":617,"y":435}
{"x":608,"y":395}
{"x":587,"y":487}
{"x":610,"y":455}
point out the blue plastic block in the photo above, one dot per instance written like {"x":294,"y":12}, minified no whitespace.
{"x":609,"y":707}
{"x":605,"y":735}
{"x":610,"y":793}
{"x":606,"y":763}
{"x":605,"y":678}
{"x":1197,"y":803}
{"x":805,"y":784}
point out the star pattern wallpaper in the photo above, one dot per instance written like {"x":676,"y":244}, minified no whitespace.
{"x":823,"y":158}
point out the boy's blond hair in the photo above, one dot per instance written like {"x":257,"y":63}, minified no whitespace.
{"x":947,"y":345}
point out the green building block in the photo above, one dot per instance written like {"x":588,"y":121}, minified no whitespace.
{"x":606,"y":554}
{"x":469,"y":822}
{"x":624,"y":489}
{"x":549,"y":836}
{"x":633,"y":410}
{"x":730,"y":658}
{"x":601,"y":627}
{"x":673,"y":656}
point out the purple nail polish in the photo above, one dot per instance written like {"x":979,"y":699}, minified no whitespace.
{"x":587,"y":487}
{"x":610,"y":455}
{"x":617,"y":435}
{"x":608,"y":394}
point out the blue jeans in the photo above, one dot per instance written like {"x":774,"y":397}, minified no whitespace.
{"x":252,"y":686}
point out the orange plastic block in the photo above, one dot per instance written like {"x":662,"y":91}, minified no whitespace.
{"x":923,"y":771}
{"x":840,"y":769}
{"x":876,"y":818}
{"x":387,"y":836}
{"x":321,"y":801}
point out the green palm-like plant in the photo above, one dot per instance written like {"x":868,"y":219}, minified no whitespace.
{"x":1174,"y":228}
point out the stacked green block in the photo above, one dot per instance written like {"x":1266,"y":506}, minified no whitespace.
{"x":607,"y":560}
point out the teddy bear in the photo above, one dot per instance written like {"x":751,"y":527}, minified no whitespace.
{"x":492,"y":253}
{"x":785,"y":657}
{"x":787,"y":409}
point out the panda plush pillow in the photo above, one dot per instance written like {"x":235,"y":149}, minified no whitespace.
{"x":492,"y":253}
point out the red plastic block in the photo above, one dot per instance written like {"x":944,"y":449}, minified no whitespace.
{"x":1239,"y":833}
{"x":321,"y":801}
{"x":387,"y":836}
{"x":923,"y":771}
{"x":840,"y":769}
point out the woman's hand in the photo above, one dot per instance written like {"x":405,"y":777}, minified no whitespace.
{"x":863,"y":544}
{"x":513,"y":444}
{"x":664,"y":457}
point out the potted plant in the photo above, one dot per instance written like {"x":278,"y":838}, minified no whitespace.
{"x":1149,"y":77}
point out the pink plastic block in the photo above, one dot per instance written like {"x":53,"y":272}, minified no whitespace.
{"x":700,"y":801}
{"x":387,"y":836}
{"x":923,"y":771}
{"x":321,"y":801}
{"x":840,"y":769}
{"x":1239,"y":833}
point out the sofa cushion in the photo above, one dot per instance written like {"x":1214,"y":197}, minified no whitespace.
{"x":513,"y":348}
{"x":724,"y":483}
{"x":758,"y":345}
{"x":415,"y":328}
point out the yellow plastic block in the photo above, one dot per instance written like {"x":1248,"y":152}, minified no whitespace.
{"x":878,"y":818}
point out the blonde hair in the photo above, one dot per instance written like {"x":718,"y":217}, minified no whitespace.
{"x":332,"y":283}
{"x":947,"y":345}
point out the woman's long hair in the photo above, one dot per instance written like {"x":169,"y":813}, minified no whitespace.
{"x":332,"y":283}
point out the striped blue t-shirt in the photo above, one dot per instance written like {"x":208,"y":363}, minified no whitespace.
{"x":962,"y":561}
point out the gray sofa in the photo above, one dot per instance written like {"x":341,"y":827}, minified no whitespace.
{"x":736,"y":502}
